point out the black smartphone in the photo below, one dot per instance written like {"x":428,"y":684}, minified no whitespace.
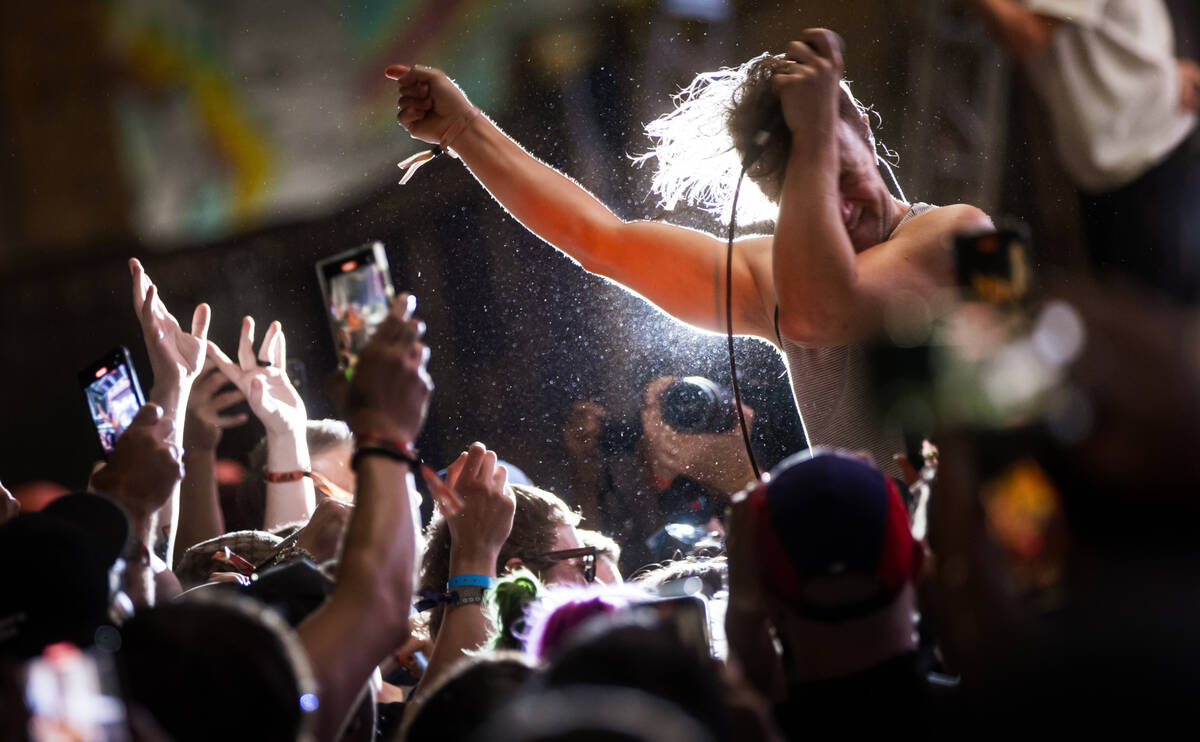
{"x":993,"y":266}
{"x":114,"y":396}
{"x":689,"y":617}
{"x":358,"y":293}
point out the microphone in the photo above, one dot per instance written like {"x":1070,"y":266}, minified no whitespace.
{"x":771,"y":121}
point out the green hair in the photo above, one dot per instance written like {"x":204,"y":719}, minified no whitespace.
{"x":506,"y":605}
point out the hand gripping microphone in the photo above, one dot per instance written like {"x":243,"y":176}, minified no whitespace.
{"x":762,"y":137}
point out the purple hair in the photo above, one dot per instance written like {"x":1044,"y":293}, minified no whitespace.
{"x":556,"y":615}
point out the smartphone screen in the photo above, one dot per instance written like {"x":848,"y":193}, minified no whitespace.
{"x":73,"y":695}
{"x":358,"y":292}
{"x":110,"y":386}
{"x":993,"y":266}
{"x":1023,"y":511}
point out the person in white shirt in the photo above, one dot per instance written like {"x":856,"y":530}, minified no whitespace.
{"x":1123,"y":111}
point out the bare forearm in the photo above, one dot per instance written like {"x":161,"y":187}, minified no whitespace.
{"x":382,"y":533}
{"x":376,"y":574}
{"x":813,"y":260}
{"x":200,"y":516}
{"x":464,"y":628}
{"x":172,"y":396}
{"x":1023,"y":33}
{"x":676,"y":268}
{"x":548,"y":203}
{"x":342,"y":658}
{"x":288,"y":502}
{"x":139,"y":580}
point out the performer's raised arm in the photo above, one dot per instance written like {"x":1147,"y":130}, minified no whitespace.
{"x":678,"y":269}
{"x":844,"y":251}
{"x":841,"y":254}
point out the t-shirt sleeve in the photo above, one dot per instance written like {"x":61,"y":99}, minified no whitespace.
{"x":1080,"y":12}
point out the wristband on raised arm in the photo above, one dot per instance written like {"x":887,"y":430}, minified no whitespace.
{"x":370,"y":444}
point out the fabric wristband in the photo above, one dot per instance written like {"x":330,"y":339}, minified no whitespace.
{"x":387,"y":452}
{"x":403,"y":450}
{"x":283,"y":477}
{"x":483,"y":581}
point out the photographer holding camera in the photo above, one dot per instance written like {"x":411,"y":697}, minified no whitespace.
{"x":846,"y":255}
{"x":673,"y":464}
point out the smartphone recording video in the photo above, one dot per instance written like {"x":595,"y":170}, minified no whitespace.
{"x":993,"y":267}
{"x":357,"y":291}
{"x":689,"y":617}
{"x":110,"y":386}
{"x":74,"y":695}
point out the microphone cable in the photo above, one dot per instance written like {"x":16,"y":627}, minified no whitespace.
{"x":733,"y":374}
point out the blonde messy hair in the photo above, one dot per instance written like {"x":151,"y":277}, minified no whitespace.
{"x":700,"y":144}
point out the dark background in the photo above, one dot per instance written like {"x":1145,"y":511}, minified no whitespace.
{"x":517,"y":330}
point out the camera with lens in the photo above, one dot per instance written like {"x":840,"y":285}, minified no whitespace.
{"x":695,"y":404}
{"x":692,"y":404}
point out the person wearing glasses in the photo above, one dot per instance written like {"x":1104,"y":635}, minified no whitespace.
{"x":489,"y":527}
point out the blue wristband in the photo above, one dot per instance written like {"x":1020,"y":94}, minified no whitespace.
{"x":483,"y":581}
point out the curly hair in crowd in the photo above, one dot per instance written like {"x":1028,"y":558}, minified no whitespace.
{"x":538,"y":516}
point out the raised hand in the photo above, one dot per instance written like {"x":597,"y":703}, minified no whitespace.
{"x":176,"y":356}
{"x":478,"y":507}
{"x":263,"y":379}
{"x":807,"y":83}
{"x":273,"y":399}
{"x":207,"y":407}
{"x":377,"y":569}
{"x":582,"y":430}
{"x":746,"y":616}
{"x":145,"y":465}
{"x":389,"y":396}
{"x":429,"y":101}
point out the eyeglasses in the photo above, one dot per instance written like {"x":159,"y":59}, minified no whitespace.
{"x":586,"y":555}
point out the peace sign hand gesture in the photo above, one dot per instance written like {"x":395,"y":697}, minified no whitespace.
{"x":264,"y":380}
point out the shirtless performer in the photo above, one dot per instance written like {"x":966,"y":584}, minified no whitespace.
{"x":845,"y":252}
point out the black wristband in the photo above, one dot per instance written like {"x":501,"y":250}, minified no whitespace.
{"x":389,"y":453}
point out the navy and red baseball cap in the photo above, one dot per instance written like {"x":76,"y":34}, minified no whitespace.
{"x":824,"y":514}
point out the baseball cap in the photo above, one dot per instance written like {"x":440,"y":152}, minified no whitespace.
{"x":826,"y":515}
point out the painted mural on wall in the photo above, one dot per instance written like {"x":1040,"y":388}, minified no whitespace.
{"x":238,"y":114}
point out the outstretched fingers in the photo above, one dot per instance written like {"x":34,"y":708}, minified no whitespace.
{"x":224,"y":362}
{"x":140,"y":284}
{"x":455,"y":469}
{"x":443,"y":495}
{"x":264,"y":349}
{"x":201,"y":319}
{"x":277,"y":354}
{"x":245,"y":349}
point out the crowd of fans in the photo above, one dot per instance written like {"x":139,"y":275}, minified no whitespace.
{"x":1032,"y":563}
